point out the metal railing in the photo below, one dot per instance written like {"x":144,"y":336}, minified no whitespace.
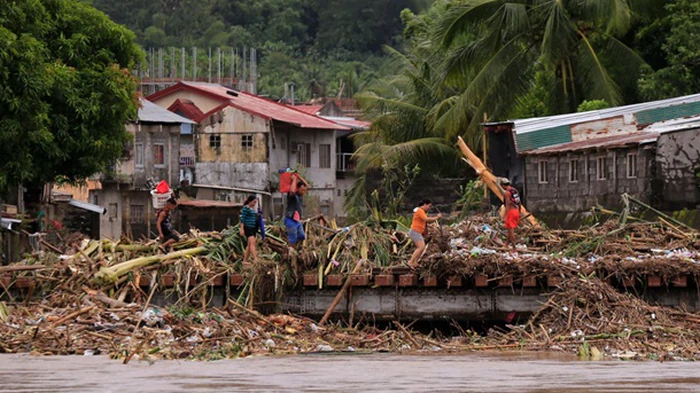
{"x":344,"y":162}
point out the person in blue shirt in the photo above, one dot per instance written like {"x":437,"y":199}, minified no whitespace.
{"x":295,"y":208}
{"x":249,"y":222}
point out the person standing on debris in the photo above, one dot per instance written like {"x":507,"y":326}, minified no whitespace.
{"x":419,"y":230}
{"x":295,"y":207}
{"x":249,"y":223}
{"x":166,"y":234}
{"x":511,"y":198}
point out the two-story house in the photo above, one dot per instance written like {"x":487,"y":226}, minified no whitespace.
{"x":153,"y":154}
{"x":242,"y":140}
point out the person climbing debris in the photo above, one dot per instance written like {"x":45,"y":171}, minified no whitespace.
{"x":511,"y":198}
{"x":295,"y":208}
{"x":166,"y":234}
{"x":249,"y":227}
{"x":418,"y":230}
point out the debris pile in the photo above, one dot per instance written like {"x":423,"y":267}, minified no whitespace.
{"x":97,"y":298}
{"x":589,"y":316}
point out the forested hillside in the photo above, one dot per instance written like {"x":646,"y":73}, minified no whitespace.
{"x":309,"y":42}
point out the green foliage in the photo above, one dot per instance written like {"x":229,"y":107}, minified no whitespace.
{"x":592,"y":105}
{"x":675,"y":36}
{"x":67,"y":91}
{"x":471,"y":198}
{"x":382,"y":203}
{"x":320,"y":46}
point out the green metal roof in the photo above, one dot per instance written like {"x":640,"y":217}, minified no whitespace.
{"x":655,"y":115}
{"x":541,"y":138}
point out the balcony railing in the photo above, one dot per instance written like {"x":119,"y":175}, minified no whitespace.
{"x":187,"y":161}
{"x":345,"y":162}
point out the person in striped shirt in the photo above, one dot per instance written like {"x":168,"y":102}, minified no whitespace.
{"x":249,"y":227}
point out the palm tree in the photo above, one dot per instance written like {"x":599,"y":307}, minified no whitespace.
{"x":498,"y":46}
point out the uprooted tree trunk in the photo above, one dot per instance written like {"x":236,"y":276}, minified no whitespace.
{"x":111,"y":274}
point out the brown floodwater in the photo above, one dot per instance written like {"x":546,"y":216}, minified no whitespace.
{"x":511,"y":372}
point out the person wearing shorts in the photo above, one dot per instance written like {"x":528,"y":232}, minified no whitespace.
{"x":295,"y":207}
{"x":166,"y":234}
{"x":418,"y":228}
{"x":249,"y":222}
{"x":511,"y":198}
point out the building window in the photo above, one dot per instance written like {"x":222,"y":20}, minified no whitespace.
{"x":543,"y":172}
{"x":602,"y":168}
{"x":573,"y":171}
{"x":304,"y":154}
{"x":137,"y":214}
{"x":215,"y":141}
{"x":138,"y":154}
{"x":326,"y":210}
{"x":346,"y":192}
{"x":632,"y":165}
{"x":339,"y":192}
{"x":247,"y":142}
{"x":158,"y":154}
{"x":283,"y":143}
{"x":324,"y":156}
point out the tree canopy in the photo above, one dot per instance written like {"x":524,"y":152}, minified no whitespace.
{"x":313,"y":43}
{"x":66,"y":90}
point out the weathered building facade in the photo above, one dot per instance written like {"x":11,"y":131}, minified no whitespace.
{"x":153,"y":155}
{"x":242,"y":140}
{"x":570,"y":163}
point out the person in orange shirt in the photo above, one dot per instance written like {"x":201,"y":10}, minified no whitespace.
{"x":418,"y":228}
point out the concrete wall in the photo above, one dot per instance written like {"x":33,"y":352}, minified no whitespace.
{"x":560,"y":194}
{"x":145,"y":137}
{"x":678,"y":164}
{"x":110,"y":223}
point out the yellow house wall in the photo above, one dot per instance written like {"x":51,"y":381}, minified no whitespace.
{"x":231,"y":124}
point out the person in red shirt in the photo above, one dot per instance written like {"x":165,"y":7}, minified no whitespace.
{"x":511,"y":198}
{"x":418,"y":228}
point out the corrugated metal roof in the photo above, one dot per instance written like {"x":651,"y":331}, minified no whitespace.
{"x":152,"y":113}
{"x":252,"y":104}
{"x":312,"y":109}
{"x":597,"y":143}
{"x":522,"y":126}
{"x":350,"y":122}
{"x":204,"y":203}
{"x":6,"y":223}
{"x":88,"y":206}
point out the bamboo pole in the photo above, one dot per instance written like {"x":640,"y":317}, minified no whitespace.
{"x":340,"y":294}
{"x":489,"y":179}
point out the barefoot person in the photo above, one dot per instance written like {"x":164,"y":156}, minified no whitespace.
{"x":295,"y":207}
{"x":166,"y":234}
{"x":511,"y":198}
{"x":418,"y":226}
{"x":249,"y":221}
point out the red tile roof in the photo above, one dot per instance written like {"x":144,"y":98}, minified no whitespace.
{"x":252,"y":104}
{"x":597,"y":143}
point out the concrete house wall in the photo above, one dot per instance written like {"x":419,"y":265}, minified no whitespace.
{"x":125,"y":196}
{"x":678,"y":166}
{"x":563,"y":194}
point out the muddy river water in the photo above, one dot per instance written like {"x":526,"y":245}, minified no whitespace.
{"x":512,"y":373}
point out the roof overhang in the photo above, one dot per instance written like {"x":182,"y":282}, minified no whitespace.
{"x":91,"y":207}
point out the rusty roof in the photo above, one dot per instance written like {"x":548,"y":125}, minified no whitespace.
{"x":253,"y":104}
{"x":312,"y":109}
{"x":609,"y":142}
{"x":205,"y":204}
